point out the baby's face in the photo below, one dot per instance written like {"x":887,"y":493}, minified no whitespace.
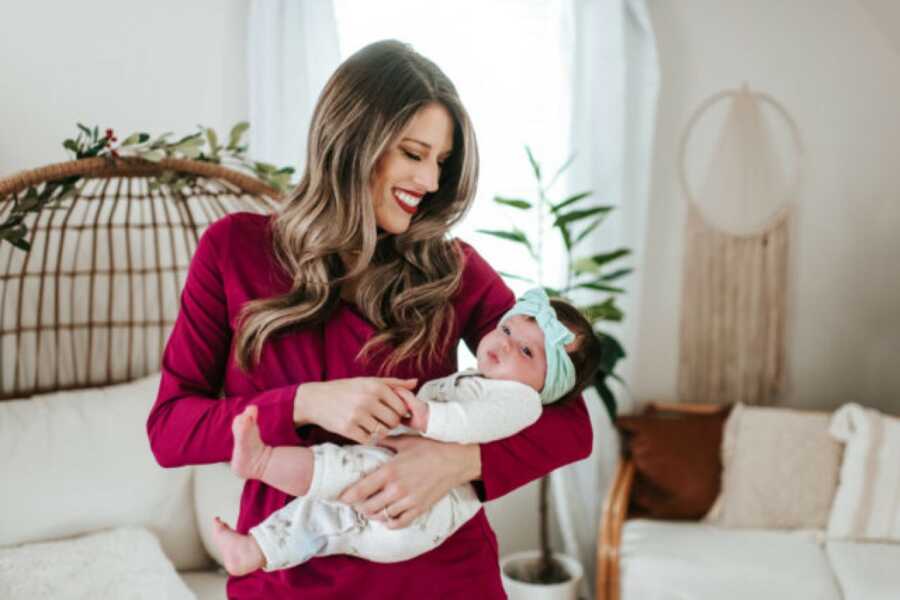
{"x":514,"y":351}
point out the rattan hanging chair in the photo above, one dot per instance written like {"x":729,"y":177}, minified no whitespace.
{"x":92,"y":302}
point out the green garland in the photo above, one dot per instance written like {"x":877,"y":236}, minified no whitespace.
{"x":202,"y":146}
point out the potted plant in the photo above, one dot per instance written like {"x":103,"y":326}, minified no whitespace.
{"x":543,"y":573}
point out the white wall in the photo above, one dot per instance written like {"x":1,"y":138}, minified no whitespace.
{"x":158,"y":66}
{"x":830,"y":63}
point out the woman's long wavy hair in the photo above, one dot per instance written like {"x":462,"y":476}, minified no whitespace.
{"x":402,"y":282}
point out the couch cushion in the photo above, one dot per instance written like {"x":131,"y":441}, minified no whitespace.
{"x":677,"y":463}
{"x":80,"y":461}
{"x":665,"y":560}
{"x":119,"y":563}
{"x":206,"y":585}
{"x":866,"y":571}
{"x":779,"y":469}
{"x":217,"y":493}
{"x":867,"y":503}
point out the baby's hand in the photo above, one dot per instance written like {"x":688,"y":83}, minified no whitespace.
{"x":418,"y":410}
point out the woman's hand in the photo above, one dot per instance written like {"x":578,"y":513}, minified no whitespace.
{"x":362,"y":408}
{"x":422,"y":472}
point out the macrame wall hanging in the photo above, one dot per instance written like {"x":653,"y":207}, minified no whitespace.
{"x":737,"y":241}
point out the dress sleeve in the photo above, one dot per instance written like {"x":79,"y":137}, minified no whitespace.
{"x":483,"y":411}
{"x":563,"y":432}
{"x":190,"y":423}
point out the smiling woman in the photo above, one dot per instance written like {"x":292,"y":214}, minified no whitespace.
{"x":411,"y":167}
{"x":321,"y":319}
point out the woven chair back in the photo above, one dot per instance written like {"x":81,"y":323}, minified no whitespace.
{"x":93,"y":301}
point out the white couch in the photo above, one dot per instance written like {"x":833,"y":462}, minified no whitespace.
{"x":79,"y":479}
{"x":780,"y":468}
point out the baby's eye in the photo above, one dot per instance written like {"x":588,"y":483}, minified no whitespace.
{"x":504,"y":329}
{"x":527,"y":351}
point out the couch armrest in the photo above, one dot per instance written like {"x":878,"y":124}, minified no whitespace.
{"x":615,"y":511}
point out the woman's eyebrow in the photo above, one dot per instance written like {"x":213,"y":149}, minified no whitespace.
{"x":421,"y":143}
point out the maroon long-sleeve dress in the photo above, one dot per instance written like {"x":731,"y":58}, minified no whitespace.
{"x":190,"y":423}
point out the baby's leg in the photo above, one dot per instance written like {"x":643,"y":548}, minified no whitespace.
{"x":240,"y":553}
{"x":287,"y":468}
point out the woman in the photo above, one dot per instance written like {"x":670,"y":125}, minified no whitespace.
{"x":317,"y":314}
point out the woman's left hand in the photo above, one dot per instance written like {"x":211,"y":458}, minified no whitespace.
{"x":422,"y":472}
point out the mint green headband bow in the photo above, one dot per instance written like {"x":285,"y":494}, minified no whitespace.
{"x":560,"y":370}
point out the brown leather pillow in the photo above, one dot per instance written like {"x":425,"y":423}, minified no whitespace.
{"x":678,"y":465}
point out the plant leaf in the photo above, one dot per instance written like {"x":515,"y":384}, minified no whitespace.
{"x":552,"y":292}
{"x":534,"y":164}
{"x":86,"y":131}
{"x":604,"y":311}
{"x":153,"y":155}
{"x":516,"y":235}
{"x":559,"y":171}
{"x":517,"y":277}
{"x":234,"y":138}
{"x":588,"y":230}
{"x":71,"y":146}
{"x":616,"y":274}
{"x":592,"y":264}
{"x":570,"y":200}
{"x":600,"y":287}
{"x":577,"y":215}
{"x":514,"y":202}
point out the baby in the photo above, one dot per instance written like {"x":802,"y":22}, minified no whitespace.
{"x":542,"y":351}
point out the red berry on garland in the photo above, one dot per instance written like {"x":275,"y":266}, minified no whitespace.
{"x":109,"y":133}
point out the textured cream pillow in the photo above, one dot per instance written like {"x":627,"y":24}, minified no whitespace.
{"x":867,"y":504}
{"x":119,"y":563}
{"x":79,"y":461}
{"x":779,"y":470}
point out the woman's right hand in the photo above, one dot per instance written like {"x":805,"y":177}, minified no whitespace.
{"x":361,"y":409}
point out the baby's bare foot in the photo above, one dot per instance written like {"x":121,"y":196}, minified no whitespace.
{"x":240,"y":553}
{"x":250,"y":454}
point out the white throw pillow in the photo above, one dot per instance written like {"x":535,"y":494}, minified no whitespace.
{"x":779,"y":469}
{"x":217,"y":493}
{"x":79,"y":461}
{"x":120,"y":563}
{"x":867,"y":504}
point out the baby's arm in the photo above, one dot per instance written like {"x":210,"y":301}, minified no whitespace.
{"x":479,"y":413}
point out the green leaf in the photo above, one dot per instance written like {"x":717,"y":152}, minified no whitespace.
{"x":559,"y":172}
{"x":288,"y":170}
{"x":96,"y":132}
{"x":161,"y":139}
{"x":600,"y":287}
{"x":517,"y":277}
{"x":234,"y":138}
{"x":262,"y":167}
{"x":517,"y":236}
{"x":135,"y":138}
{"x":213,"y":140}
{"x":588,"y":230}
{"x":514,"y":202}
{"x":153,"y":155}
{"x":193,"y":139}
{"x":616,"y":274}
{"x":604,"y":311}
{"x":86,"y":131}
{"x":570,"y":200}
{"x":534,"y":164}
{"x":71,"y":146}
{"x":577,"y":215}
{"x":592,"y":264}
{"x":188,"y":150}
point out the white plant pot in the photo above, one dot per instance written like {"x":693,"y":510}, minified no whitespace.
{"x":519,"y":590}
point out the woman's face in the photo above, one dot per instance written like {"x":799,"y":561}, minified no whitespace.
{"x":411,"y":167}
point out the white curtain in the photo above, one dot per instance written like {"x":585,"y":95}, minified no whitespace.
{"x":292,"y":50}
{"x":615,"y":78}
